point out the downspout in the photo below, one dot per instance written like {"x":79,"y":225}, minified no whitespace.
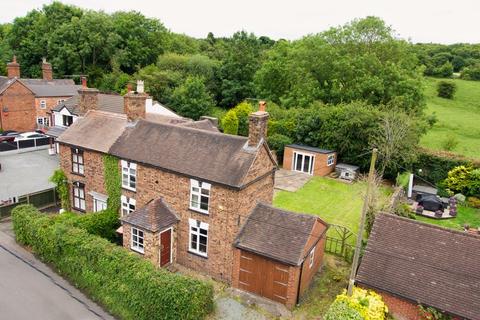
{"x":299,"y":282}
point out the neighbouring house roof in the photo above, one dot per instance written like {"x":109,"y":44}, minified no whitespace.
{"x":155,"y":216}
{"x":277,"y":234}
{"x":106,"y":102}
{"x":202,"y":125}
{"x":425,"y":264}
{"x":44,"y":88}
{"x":55,"y":131}
{"x":205,"y":155}
{"x":344,"y":166}
{"x":96,"y":131}
{"x":307,"y":148}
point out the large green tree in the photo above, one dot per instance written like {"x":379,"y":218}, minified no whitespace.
{"x":192,"y":98}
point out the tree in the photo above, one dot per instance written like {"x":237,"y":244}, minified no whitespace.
{"x":192,"y":99}
{"x":446,"y":89}
{"x":230,"y":122}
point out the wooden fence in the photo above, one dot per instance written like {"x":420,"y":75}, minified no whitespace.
{"x":41,"y":200}
{"x":339,"y":242}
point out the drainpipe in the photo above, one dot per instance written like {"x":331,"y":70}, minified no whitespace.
{"x":299,"y":282}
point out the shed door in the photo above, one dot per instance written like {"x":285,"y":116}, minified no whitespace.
{"x":263,"y":276}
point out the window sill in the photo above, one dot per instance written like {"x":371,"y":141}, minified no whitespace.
{"x":79,"y":210}
{"x":129,"y":189}
{"x":78,"y":174}
{"x":137,"y":250}
{"x":199,"y":211}
{"x":197,"y":254}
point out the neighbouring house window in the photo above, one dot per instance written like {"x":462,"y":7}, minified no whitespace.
{"x":199,"y":195}
{"x":43,"y":104}
{"x":312,"y":257}
{"x":128,"y":205}
{"x":137,"y":240}
{"x":79,"y":196}
{"x":198,"y":237}
{"x":77,"y":161}
{"x":330,"y":159}
{"x":67,"y":120}
{"x":60,"y":101}
{"x":129,"y":175}
{"x":99,"y":205}
{"x":43,"y":121}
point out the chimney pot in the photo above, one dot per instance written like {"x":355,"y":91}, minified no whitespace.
{"x":14,"y":59}
{"x":140,"y":86}
{"x":13,"y":69}
{"x":84,"y":82}
{"x":257,"y":125}
{"x":262,"y":106}
{"x":88,"y":97}
{"x":47,"y":70}
{"x":134,"y":103}
{"x":129,"y":87}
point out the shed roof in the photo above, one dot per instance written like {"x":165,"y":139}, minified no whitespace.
{"x":96,"y":131}
{"x":277,"y":234}
{"x":155,"y":216}
{"x":207,"y":155}
{"x":424,"y":263}
{"x":346,"y":166}
{"x":308,"y":148}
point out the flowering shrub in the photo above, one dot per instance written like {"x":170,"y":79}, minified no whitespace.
{"x":363,"y":305}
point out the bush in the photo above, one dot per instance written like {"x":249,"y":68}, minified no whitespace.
{"x":403,"y":179}
{"x":464,"y":179}
{"x":471,"y":73}
{"x":61,"y":182}
{"x":278,"y":142}
{"x":242,"y":111}
{"x":474,"y":202}
{"x":446,"y":89}
{"x":230,"y":122}
{"x":341,"y":310}
{"x":127,"y":285}
{"x":363,"y":304}
{"x":450,"y":142}
{"x":103,"y":224}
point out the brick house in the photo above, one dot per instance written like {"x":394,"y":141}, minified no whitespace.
{"x":410,"y":263}
{"x":26,"y":104}
{"x":187,"y":189}
{"x":310,"y":160}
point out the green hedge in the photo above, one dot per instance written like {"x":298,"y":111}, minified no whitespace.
{"x":128,"y":286}
{"x":103,"y":223}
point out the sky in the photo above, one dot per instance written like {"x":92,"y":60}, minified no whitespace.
{"x":439,"y":21}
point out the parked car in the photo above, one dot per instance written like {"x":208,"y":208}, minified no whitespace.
{"x":29,"y":135}
{"x":8,"y":136}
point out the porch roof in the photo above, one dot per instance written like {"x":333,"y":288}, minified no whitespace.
{"x":154,"y":216}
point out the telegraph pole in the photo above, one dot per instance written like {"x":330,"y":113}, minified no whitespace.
{"x":358,"y":244}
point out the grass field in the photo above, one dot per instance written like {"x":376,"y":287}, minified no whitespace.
{"x":465,"y":215}
{"x":334,"y":201}
{"x":459,"y":118}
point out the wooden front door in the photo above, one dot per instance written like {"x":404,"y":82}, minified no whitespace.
{"x":263,"y":276}
{"x":165,"y":247}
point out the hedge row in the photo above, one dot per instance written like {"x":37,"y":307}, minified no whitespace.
{"x":103,"y":223}
{"x":128,"y":286}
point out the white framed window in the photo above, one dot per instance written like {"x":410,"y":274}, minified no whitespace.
{"x":312,"y":257}
{"x":43,"y":104}
{"x":43,"y":121}
{"x":99,"y":205}
{"x":128,"y":205}
{"x":199,"y":195}
{"x":198,"y":243}
{"x":330,"y":159}
{"x":303,"y":162}
{"x":67,"y":120}
{"x":129,"y":175}
{"x":78,"y":165}
{"x":137,"y":243}
{"x":79,"y":196}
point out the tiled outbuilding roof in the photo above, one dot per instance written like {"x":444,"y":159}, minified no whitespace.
{"x":425,"y":264}
{"x":277,"y":234}
{"x":155,"y":216}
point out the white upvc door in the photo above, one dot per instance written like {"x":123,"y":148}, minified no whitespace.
{"x":303,"y":162}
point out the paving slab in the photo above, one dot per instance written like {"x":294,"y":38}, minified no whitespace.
{"x":290,"y":180}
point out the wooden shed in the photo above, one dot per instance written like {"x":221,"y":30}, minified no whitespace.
{"x":277,"y":253}
{"x":314,"y":161}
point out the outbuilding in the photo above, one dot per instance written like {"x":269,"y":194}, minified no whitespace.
{"x":277,"y":253}
{"x":314,"y":161}
{"x":346,"y":171}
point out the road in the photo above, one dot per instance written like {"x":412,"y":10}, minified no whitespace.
{"x":31,"y":290}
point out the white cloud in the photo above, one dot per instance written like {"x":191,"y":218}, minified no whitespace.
{"x":419,"y":20}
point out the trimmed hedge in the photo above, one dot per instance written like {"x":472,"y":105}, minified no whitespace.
{"x":128,"y":286}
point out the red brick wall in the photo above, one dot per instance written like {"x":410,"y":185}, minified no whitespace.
{"x":51,"y":103}
{"x":320,"y":166}
{"x":20,"y":102}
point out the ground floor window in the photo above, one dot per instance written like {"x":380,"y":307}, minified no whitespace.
{"x":137,"y":243}
{"x":79,"y":196}
{"x":43,"y":121}
{"x":198,"y":237}
{"x":128,"y":205}
{"x":99,"y":205}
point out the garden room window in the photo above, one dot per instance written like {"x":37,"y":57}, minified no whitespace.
{"x":198,"y":243}
{"x":129,"y":175}
{"x":330,"y":159}
{"x":199,"y":195}
{"x":77,"y":161}
{"x":137,"y":243}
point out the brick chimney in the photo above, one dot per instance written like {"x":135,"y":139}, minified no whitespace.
{"x":134,"y":103}
{"x":47,"y":70}
{"x":257,"y":126}
{"x":13,"y":69}
{"x":88,"y":97}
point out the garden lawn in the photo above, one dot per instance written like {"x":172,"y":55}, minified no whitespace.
{"x":465,"y":215}
{"x":459,"y":118}
{"x":334,"y":201}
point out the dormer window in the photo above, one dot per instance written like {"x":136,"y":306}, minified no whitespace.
{"x":67,"y":120}
{"x":199,"y":195}
{"x":77,"y":161}
{"x":129,"y":175}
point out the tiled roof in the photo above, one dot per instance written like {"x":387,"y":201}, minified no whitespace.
{"x":155,"y":216}
{"x":202,"y":125}
{"x":424,"y":263}
{"x":278,"y":234}
{"x":106,"y":102}
{"x":96,"y":131}
{"x":308,"y":148}
{"x":206,"y":155}
{"x":44,"y":88}
{"x":55,"y":131}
